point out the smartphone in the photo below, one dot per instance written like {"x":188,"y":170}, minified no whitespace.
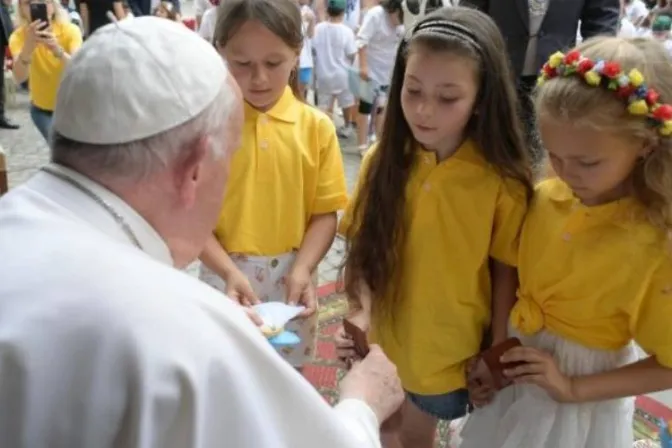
{"x":38,"y":11}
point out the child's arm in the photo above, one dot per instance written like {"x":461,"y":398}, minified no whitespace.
{"x":504,"y":287}
{"x":238,"y":288}
{"x":316,"y":242}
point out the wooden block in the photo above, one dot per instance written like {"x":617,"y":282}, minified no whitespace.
{"x":4,"y":183}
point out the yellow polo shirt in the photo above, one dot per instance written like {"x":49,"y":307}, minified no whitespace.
{"x":459,"y":213}
{"x":46,"y":69}
{"x":287,"y":169}
{"x":600,"y":276}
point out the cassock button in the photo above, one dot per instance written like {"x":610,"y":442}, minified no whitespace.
{"x":274,"y":263}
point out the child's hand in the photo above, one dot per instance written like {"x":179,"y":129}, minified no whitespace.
{"x":301,"y":291}
{"x":480,"y":394}
{"x":539,"y":368}
{"x":238,"y":288}
{"x":345,"y":346}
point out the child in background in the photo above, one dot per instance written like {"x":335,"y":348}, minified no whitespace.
{"x":286,"y":180}
{"x":433,"y":227}
{"x":377,"y":42}
{"x":594,"y":264}
{"x":660,"y":30}
{"x":166,"y":10}
{"x":334,"y":43}
{"x":308,"y":20}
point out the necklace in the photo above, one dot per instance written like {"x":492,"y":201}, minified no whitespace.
{"x":121,"y":222}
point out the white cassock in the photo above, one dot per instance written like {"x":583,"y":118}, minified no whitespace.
{"x":106,"y":345}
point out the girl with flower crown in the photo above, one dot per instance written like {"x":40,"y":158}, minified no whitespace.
{"x":594,"y":263}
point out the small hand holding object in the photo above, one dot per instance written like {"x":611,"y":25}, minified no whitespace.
{"x":238,"y":288}
{"x":481,"y":392}
{"x":540,"y":368}
{"x":46,"y":38}
{"x":33,"y":35}
{"x":301,"y":291}
{"x":346,"y":350}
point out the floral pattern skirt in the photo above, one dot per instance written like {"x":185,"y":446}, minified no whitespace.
{"x":267,"y":278}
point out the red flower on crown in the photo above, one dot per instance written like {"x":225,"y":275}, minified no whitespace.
{"x":548,"y":70}
{"x":663,"y":112}
{"x":572,"y":57}
{"x":585,"y":66}
{"x":626,"y":91}
{"x":611,"y":69}
{"x":651,"y":97}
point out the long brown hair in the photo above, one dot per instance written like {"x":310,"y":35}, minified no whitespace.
{"x":377,"y":234}
{"x":281,"y":17}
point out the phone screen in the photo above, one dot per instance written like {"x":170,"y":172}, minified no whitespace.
{"x":38,"y":11}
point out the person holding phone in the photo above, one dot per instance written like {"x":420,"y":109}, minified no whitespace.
{"x":41,"y":47}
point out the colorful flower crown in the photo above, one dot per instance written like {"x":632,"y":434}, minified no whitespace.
{"x":640,"y":99}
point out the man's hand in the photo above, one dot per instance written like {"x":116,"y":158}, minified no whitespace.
{"x":301,"y":291}
{"x":238,"y":288}
{"x":374,"y":380}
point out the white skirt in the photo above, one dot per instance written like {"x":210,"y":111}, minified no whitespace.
{"x":524,"y":416}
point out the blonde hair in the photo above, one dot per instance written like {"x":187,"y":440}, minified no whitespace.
{"x":60,"y":14}
{"x":573,"y":100}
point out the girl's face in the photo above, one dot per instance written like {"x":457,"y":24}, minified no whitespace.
{"x":161,"y":12}
{"x":438,"y":96}
{"x":261,"y":62}
{"x":595,"y":164}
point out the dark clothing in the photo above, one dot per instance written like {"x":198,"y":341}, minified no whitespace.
{"x":98,"y":12}
{"x":558,"y":29}
{"x":5,"y":32}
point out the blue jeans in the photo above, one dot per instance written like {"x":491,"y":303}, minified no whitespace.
{"x":42,"y":120}
{"x":450,"y":406}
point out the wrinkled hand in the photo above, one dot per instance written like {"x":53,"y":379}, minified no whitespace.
{"x":374,"y":380}
{"x":480,"y":393}
{"x":238,"y":288}
{"x":301,"y":291}
{"x":540,"y":368}
{"x":345,"y":346}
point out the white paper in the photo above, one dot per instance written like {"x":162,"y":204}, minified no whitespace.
{"x":277,"y":314}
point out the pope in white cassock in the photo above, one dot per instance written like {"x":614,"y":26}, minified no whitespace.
{"x":103,"y":342}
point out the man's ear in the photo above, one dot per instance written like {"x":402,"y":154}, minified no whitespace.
{"x":189,"y":170}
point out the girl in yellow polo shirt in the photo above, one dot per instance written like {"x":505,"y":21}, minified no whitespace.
{"x":40,"y":55}
{"x":433,"y":228}
{"x":286,"y":180}
{"x":595,"y":260}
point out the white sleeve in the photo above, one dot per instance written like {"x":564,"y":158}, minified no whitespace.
{"x":350,"y":43}
{"x":367,"y":30}
{"x":200,"y":6}
{"x":187,"y":373}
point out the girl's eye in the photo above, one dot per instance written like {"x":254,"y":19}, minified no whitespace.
{"x":448,"y":100}
{"x":273,"y":64}
{"x":413,"y":92}
{"x":242,"y":63}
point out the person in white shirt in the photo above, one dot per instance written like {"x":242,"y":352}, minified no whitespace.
{"x":377,"y":43}
{"x":626,"y":29}
{"x":200,"y":7}
{"x":104,"y":342}
{"x":208,"y":21}
{"x":306,"y":56}
{"x":636,"y":11}
{"x":335,"y":47}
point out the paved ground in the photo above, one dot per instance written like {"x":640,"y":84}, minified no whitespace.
{"x":27,"y":151}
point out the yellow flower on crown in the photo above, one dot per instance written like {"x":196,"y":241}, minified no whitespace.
{"x":556,"y":59}
{"x":638,"y":107}
{"x":592,"y":78}
{"x":666,"y":129}
{"x":636,"y":77}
